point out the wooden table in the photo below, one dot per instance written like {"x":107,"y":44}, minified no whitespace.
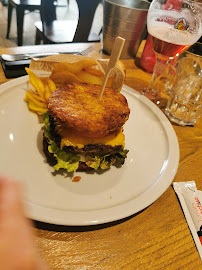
{"x":156,"y":238}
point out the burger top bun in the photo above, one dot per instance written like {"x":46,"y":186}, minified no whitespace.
{"x":44,"y":67}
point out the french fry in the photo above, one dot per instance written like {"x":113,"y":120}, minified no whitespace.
{"x":37,"y":102}
{"x":31,"y":99}
{"x":51,"y":85}
{"x":38,"y":110}
{"x":40,"y":99}
{"x":47,"y":92}
{"x":36,"y":82}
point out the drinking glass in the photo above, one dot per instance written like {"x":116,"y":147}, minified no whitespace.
{"x":184,"y":105}
{"x":174,"y":25}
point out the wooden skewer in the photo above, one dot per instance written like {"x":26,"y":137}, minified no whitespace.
{"x":115,"y":55}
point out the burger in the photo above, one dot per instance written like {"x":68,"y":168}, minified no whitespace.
{"x":82,"y":133}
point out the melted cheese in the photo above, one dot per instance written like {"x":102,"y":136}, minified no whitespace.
{"x":71,"y":139}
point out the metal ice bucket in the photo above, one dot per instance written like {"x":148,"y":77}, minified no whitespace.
{"x":125,"y":18}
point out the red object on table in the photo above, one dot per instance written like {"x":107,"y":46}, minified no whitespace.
{"x":148,"y":58}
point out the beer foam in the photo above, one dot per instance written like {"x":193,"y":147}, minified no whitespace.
{"x":168,"y":33}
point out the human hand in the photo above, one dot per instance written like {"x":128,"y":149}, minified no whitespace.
{"x":17,"y":248}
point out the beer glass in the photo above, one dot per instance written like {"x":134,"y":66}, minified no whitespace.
{"x":174,"y":25}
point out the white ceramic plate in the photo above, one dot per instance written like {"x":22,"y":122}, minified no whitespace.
{"x":98,"y":197}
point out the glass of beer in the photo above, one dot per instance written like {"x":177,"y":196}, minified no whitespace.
{"x":174,"y":25}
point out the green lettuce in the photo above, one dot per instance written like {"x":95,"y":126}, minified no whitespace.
{"x":47,"y":126}
{"x":93,"y":162}
{"x":65,"y":160}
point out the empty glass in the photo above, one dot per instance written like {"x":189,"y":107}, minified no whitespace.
{"x":184,"y":106}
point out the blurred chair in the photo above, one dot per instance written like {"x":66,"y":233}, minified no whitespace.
{"x":20,"y":6}
{"x":58,"y":4}
{"x":51,"y":31}
{"x":4,"y":2}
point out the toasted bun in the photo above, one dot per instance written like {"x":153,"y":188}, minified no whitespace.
{"x":77,"y":106}
{"x":44,"y":67}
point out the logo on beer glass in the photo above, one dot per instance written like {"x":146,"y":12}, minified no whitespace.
{"x":181,"y":24}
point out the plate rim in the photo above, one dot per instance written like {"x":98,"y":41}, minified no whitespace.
{"x":121,"y":211}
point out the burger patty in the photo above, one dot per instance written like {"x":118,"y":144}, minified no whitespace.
{"x":77,"y":106}
{"x":89,"y":149}
{"x":93,"y":149}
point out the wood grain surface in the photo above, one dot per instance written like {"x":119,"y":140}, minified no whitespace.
{"x":156,"y":238}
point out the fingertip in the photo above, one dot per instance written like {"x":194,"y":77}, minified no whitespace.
{"x":10,"y":192}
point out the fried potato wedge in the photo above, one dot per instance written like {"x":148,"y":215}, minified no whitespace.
{"x":94,"y":71}
{"x":46,"y":66}
{"x":63,"y":77}
{"x":89,"y":78}
{"x":93,"y":79}
{"x":75,"y":67}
